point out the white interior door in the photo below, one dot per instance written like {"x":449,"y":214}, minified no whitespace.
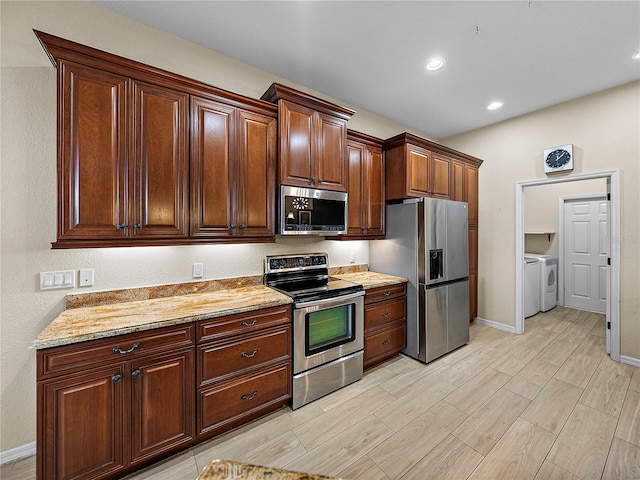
{"x":586,"y":251}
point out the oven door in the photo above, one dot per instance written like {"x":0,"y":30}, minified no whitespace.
{"x":328,"y":329}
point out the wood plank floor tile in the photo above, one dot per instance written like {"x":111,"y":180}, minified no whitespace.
{"x":327,"y":425}
{"x":482,"y":430}
{"x":606,"y":392}
{"x":557,"y":352}
{"x":578,"y":369}
{"x":514,"y":360}
{"x":592,"y":345}
{"x":182,"y":467}
{"x":478,"y":390}
{"x":578,"y":330}
{"x":583,"y":444}
{"x":369,"y":381}
{"x":363,"y":469}
{"x":276,"y":453}
{"x":463,"y":371}
{"x":538,"y":339}
{"x":635,"y":380}
{"x":416,"y":439}
{"x":629,"y":424}
{"x":518,"y":455}
{"x":497,"y":348}
{"x":617,"y":367}
{"x":623,"y":462}
{"x":344,"y":449}
{"x":414,"y":403}
{"x":549,"y":471}
{"x":410,"y":378}
{"x":532,"y":378}
{"x":553,"y":405}
{"x":450,"y":460}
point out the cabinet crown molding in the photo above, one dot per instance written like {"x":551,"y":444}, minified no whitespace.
{"x":278,"y":91}
{"x":407,"y":137}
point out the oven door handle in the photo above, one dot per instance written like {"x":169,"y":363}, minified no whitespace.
{"x":325,"y":301}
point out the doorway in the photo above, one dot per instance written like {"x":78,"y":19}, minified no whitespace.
{"x":612,"y":273}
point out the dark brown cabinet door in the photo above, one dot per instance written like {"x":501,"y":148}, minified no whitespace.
{"x":163,"y":396}
{"x":212,"y":167}
{"x":471,"y":192}
{"x":160,"y":162}
{"x":330,"y":162}
{"x":296,"y":147}
{"x":356,"y":224}
{"x":457,"y":181}
{"x":83,"y":425}
{"x":417,"y":173}
{"x":92,"y":173}
{"x":440,"y":176}
{"x":374,"y":185}
{"x":255,"y":186}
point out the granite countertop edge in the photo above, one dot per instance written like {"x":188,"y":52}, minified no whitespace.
{"x":83,"y":324}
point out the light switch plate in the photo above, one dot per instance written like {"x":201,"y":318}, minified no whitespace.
{"x":58,"y":279}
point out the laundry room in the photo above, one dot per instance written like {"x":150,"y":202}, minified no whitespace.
{"x":566,"y":245}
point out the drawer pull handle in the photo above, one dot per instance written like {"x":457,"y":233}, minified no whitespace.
{"x":245,"y":324}
{"x":122,"y":352}
{"x":249,"y":397}
{"x":386,"y":314}
{"x":116,"y":378}
{"x":386,"y":294}
{"x":135,"y":373}
{"x":249,"y":355}
{"x":386,"y":342}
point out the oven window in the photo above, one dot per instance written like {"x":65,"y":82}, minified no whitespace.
{"x":329,"y":328}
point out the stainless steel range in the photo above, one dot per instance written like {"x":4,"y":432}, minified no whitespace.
{"x":328,"y":324}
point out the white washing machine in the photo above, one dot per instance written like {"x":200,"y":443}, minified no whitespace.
{"x":531,"y":286}
{"x":548,"y":279}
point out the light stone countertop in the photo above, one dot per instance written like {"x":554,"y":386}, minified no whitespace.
{"x":226,"y":470}
{"x":89,"y":323}
{"x":81,"y":324}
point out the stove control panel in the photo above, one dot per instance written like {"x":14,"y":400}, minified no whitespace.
{"x":279,"y":263}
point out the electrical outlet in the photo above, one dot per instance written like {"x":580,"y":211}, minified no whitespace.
{"x":198,"y":270}
{"x":353,"y":257}
{"x":86,"y":277}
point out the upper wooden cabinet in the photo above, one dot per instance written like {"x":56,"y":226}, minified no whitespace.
{"x":125,"y":156}
{"x":365,"y":187}
{"x":313,"y":139}
{"x":233,"y":161}
{"x":413,"y":169}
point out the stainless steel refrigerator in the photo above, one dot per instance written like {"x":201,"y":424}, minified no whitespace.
{"x":427,"y":242}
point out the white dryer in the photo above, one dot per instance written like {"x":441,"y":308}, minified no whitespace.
{"x":548,"y":279}
{"x":531,"y":286}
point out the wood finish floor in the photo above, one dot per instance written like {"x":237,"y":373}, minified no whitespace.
{"x":546,"y":405}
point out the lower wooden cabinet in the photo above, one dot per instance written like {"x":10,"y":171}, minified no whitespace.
{"x":110,"y":406}
{"x":385,"y":323}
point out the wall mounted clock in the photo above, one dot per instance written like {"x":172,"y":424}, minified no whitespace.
{"x":558,"y":159}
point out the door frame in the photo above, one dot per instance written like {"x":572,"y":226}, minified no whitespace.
{"x":613,"y":275}
{"x":562,"y":200}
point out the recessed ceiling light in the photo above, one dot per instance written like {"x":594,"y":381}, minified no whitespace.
{"x":434,"y":64}
{"x":636,"y":56}
{"x":494,"y":105}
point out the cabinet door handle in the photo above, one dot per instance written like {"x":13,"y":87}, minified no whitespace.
{"x":116,"y":378}
{"x":122,"y":352}
{"x":386,"y":294}
{"x":242,"y":227}
{"x":386,"y":314}
{"x":135,"y":373}
{"x":121,"y":226}
{"x":245,"y":324}
{"x":138,"y":226}
{"x":249,"y":397}
{"x":320,"y":180}
{"x":232,"y":227}
{"x":313,"y":180}
{"x":249,"y":355}
{"x":386,"y":342}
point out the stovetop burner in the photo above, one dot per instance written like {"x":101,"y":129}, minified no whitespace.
{"x":305,"y":277}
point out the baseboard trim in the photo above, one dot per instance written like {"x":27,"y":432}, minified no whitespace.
{"x":498,"y":325}
{"x":635,"y":362}
{"x":18,"y":453}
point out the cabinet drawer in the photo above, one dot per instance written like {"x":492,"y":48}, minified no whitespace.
{"x":384,"y":312}
{"x":243,"y":322}
{"x":226,"y":404}
{"x":388,"y":341}
{"x":385,"y":293}
{"x":69,"y":358}
{"x":224,"y":358}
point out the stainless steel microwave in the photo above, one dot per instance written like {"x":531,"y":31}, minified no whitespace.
{"x":308,"y":211}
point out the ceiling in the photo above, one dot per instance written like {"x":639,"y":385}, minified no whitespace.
{"x":371,"y":54}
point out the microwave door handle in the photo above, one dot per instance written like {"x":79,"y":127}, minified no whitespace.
{"x":328,"y":300}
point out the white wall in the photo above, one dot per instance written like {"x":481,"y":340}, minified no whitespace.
{"x":604,"y":129}
{"x":28,"y":176}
